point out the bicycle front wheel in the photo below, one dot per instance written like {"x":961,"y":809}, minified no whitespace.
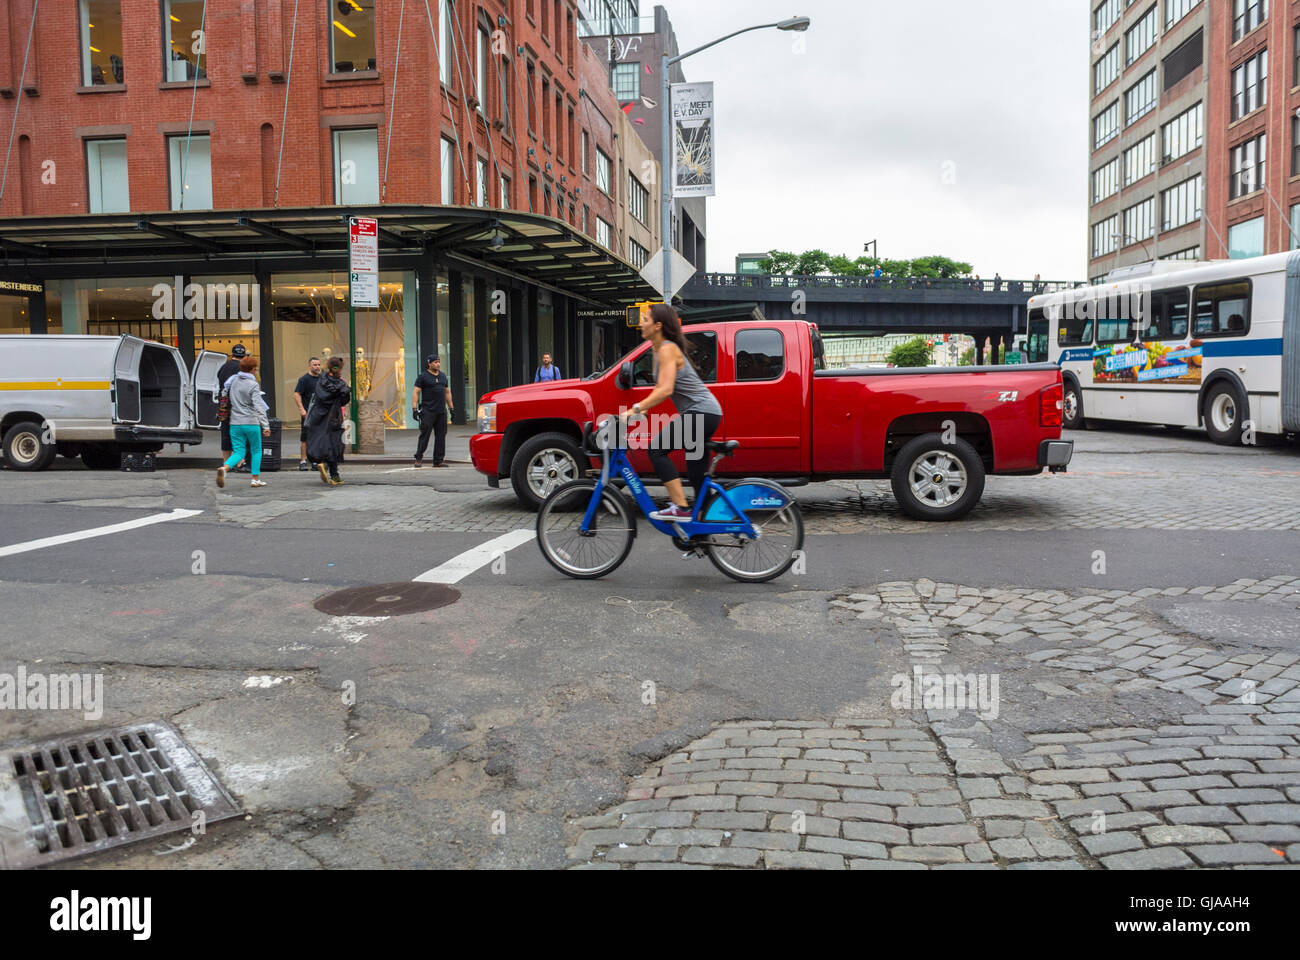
{"x":780,"y":537}
{"x":585,"y":556}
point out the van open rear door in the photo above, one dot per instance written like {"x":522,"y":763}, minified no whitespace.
{"x":126,"y":380}
{"x":207,"y":391}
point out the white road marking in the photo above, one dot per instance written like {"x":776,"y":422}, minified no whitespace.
{"x":458,"y":568}
{"x":403,"y":470}
{"x":96,"y":532}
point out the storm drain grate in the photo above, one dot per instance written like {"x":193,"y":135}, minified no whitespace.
{"x":83,"y":794}
{"x":387,"y":599}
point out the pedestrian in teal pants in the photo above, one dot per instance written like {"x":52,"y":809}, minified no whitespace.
{"x":248,"y":422}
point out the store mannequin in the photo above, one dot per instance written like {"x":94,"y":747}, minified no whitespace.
{"x":399,"y":375}
{"x":363,"y":375}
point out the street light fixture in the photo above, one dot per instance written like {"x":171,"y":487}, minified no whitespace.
{"x":668,"y":169}
{"x":1124,"y":236}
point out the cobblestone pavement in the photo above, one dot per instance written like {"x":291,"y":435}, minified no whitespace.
{"x":1215,"y":783}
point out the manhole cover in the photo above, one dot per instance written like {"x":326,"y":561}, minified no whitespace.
{"x":387,"y":599}
{"x":79,"y":795}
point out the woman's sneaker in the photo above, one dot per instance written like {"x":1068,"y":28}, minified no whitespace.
{"x":336,"y":481}
{"x":258,"y":483}
{"x":672,"y":514}
{"x":324,"y":472}
{"x":221,"y":476}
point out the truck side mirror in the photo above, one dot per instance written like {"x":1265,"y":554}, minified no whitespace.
{"x":625,"y":376}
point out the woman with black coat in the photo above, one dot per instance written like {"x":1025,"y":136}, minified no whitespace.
{"x":325,"y":422}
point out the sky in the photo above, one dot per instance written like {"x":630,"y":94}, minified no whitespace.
{"x":953,"y":127}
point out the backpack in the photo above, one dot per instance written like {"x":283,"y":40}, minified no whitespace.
{"x":223,"y":408}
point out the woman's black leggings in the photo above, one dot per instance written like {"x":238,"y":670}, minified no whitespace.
{"x":675,"y":436}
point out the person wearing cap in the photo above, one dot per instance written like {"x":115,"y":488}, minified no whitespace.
{"x":430,"y":404}
{"x":228,"y":370}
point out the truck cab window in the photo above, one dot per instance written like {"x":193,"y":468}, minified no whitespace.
{"x":704,"y":354}
{"x":760,"y":355}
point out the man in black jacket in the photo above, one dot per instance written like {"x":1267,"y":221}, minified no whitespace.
{"x":228,"y":370}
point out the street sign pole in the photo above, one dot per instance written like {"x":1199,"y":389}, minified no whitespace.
{"x":363,"y":286}
{"x":352,"y":356}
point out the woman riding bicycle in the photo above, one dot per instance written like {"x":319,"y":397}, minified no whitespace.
{"x":676,"y":378}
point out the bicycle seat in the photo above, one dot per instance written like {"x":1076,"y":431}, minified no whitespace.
{"x":724,"y":447}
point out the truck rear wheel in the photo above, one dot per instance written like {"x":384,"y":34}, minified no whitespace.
{"x":543,"y":464}
{"x":25,"y":447}
{"x":933,"y":480}
{"x":102,"y":458}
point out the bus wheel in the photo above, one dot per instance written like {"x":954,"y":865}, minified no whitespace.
{"x":1072,"y":408}
{"x":1223,"y":414}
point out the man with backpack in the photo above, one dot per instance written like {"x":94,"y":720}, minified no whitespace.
{"x":547,"y":372}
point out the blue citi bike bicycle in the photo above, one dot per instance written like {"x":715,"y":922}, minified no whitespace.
{"x":751,"y":529}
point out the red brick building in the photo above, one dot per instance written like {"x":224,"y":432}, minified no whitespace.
{"x":143,"y":106}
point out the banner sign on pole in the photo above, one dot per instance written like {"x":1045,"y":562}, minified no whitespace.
{"x":363,"y":261}
{"x":693,"y":140}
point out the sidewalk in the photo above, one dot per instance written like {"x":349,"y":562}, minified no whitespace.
{"x":399,"y":447}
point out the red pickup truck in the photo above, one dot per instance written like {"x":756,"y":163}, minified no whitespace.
{"x":934,"y":432}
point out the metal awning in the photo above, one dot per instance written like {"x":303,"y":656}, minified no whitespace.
{"x":534,"y":247}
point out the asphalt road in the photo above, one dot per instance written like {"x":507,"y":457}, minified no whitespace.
{"x":524,"y":702}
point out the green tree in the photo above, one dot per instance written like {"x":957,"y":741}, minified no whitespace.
{"x":778,"y":261}
{"x":812,"y":262}
{"x":913,"y":353}
{"x":841,"y":266}
{"x":937,"y":267}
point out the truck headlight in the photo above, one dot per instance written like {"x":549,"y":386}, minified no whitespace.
{"x":487,"y":418}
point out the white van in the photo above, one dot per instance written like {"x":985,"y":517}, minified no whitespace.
{"x":98,"y":397}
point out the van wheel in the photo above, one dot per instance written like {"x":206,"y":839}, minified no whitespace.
{"x":1222,"y":414}
{"x":543,"y":464}
{"x":933,"y":480}
{"x":24,"y":449}
{"x":1072,"y":407}
{"x":102,"y":458}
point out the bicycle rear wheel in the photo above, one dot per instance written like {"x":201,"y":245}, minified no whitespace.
{"x":585,"y":556}
{"x":780,"y":531}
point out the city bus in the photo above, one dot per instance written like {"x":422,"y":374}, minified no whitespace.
{"x":1213,"y":344}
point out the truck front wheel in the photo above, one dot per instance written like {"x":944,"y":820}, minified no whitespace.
{"x":933,"y":480}
{"x":543,"y":464}
{"x":25,"y":447}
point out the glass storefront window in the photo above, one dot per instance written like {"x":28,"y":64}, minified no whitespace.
{"x":13,"y":315}
{"x":471,"y":344}
{"x":113,"y":306}
{"x":226,"y":312}
{"x":309,"y":316}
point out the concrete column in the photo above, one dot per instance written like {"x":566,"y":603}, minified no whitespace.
{"x":456,"y":337}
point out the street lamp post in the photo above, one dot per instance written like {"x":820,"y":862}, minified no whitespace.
{"x":1121,"y":237}
{"x":668,"y":172}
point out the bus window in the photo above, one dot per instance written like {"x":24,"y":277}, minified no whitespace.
{"x":1037,"y":343}
{"x":1223,"y":309}
{"x":1114,"y":331}
{"x":1168,"y":316}
{"x":1074,"y":331}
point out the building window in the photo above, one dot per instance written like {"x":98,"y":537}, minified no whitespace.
{"x":1246,"y":239}
{"x":627,"y":81}
{"x":183,"y":30}
{"x":1181,"y":204}
{"x":637,"y":255}
{"x":604,"y":233}
{"x":1295,"y":145}
{"x":548,"y":201}
{"x":1140,"y":221}
{"x":190,"y":160}
{"x":1191,"y":253}
{"x":503,"y":70}
{"x":481,"y":182}
{"x":106,"y":176}
{"x":546,"y":111}
{"x":638,"y":199}
{"x":604,"y":171}
{"x":481,"y":71}
{"x":1104,"y":16}
{"x":1105,"y":126}
{"x":1183,"y":134}
{"x":445,"y":42}
{"x":448,"y":175}
{"x":1247,"y":167}
{"x":559,"y":127}
{"x":505,"y":193}
{"x":1295,"y":226}
{"x":1105,"y":236}
{"x":101,"y":43}
{"x":532,"y":85}
{"x":1105,"y":181}
{"x":1140,"y":37}
{"x":1140,"y":99}
{"x":1175,"y":10}
{"x":1247,"y":15}
{"x":352,"y":36}
{"x":1140,"y":160}
{"x":1106,"y":70}
{"x":356,"y":166}
{"x":1250,"y":85}
{"x":584,"y":151}
{"x":1187,"y":56}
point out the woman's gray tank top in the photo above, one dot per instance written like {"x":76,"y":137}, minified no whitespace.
{"x":690,"y":395}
